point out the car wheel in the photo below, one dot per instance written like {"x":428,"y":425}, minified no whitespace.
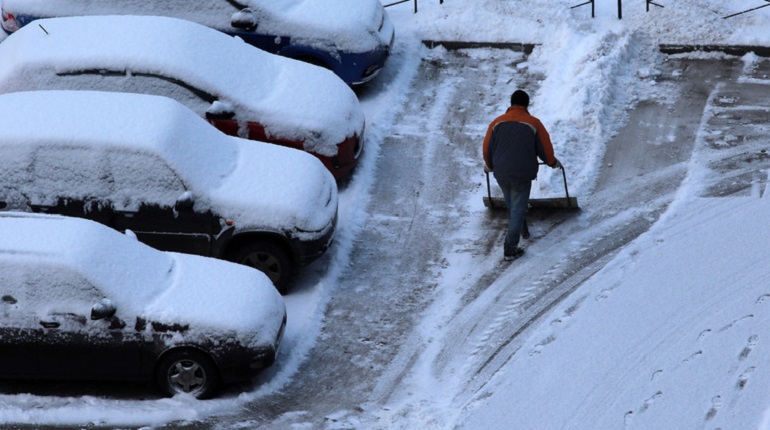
{"x":187,"y":371}
{"x":269,"y":258}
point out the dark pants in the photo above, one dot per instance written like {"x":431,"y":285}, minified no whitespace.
{"x":516,"y":195}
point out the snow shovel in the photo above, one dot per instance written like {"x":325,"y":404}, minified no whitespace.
{"x":566,"y":202}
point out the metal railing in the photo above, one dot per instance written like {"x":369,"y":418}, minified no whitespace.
{"x":405,"y":1}
{"x":620,"y":7}
{"x":593,"y":9}
{"x":748,"y":10}
{"x":650,"y":2}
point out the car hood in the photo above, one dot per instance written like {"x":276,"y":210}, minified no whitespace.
{"x":323,"y":113}
{"x":216,"y":296}
{"x":306,"y":200}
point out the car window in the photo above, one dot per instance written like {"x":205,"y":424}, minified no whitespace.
{"x":16,"y":168}
{"x":42,"y":288}
{"x":14,"y":293}
{"x":142,"y":178}
{"x":68,"y":172}
{"x":130,"y":82}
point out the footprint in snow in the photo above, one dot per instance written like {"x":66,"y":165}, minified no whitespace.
{"x":729,"y":326}
{"x":540,"y":346}
{"x":743,"y":378}
{"x":749,"y":347}
{"x":693,"y":356}
{"x":604,"y":294}
{"x":650,"y":400}
{"x":628,"y":418}
{"x":716,"y":404}
{"x":763,"y":298}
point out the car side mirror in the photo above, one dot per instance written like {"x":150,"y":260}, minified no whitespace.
{"x":219,"y":110}
{"x":244,"y":19}
{"x":102,"y":310}
{"x":185,"y":202}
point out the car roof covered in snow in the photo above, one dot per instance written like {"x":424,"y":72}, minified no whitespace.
{"x":150,"y":124}
{"x":79,"y":243}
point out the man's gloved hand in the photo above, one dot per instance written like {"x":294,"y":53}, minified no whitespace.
{"x":556,"y":165}
{"x":487,"y":169}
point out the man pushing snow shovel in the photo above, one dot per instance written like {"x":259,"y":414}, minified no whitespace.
{"x":514,"y":142}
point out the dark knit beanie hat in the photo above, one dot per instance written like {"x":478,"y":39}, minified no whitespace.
{"x":520,"y":98}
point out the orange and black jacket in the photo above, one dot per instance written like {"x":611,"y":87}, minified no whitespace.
{"x":514,"y":142}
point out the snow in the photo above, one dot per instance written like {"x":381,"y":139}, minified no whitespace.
{"x":141,"y":281}
{"x":668,"y":334}
{"x":662,"y":337}
{"x":221,"y":171}
{"x":291,"y":99}
{"x":349,"y":25}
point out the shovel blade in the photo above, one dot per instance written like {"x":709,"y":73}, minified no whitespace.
{"x":549,"y":203}
{"x":494,"y":202}
{"x":554,"y":203}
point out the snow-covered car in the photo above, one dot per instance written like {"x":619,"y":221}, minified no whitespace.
{"x":239,"y":89}
{"x":150,"y":165}
{"x":352,"y":38}
{"x":81,"y":301}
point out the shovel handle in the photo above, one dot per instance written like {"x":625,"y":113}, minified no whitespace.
{"x":489,"y":189}
{"x":563,"y":175}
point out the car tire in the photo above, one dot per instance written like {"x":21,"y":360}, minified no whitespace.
{"x":268,"y":258}
{"x":187,"y":371}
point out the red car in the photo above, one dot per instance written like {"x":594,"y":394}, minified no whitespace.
{"x":242,"y":90}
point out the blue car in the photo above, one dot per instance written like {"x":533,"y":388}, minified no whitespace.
{"x":352,"y":38}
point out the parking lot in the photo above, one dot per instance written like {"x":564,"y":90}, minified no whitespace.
{"x":395,"y":305}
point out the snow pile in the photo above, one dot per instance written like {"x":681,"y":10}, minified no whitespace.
{"x":669,"y":332}
{"x":594,"y":68}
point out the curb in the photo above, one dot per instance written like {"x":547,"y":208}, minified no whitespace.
{"x":527,"y":48}
{"x":740,"y":50}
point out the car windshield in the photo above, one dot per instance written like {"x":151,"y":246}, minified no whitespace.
{"x":125,"y":270}
{"x":131,"y":274}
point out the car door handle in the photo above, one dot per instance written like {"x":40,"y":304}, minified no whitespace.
{"x":50,"y":324}
{"x":40,"y":208}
